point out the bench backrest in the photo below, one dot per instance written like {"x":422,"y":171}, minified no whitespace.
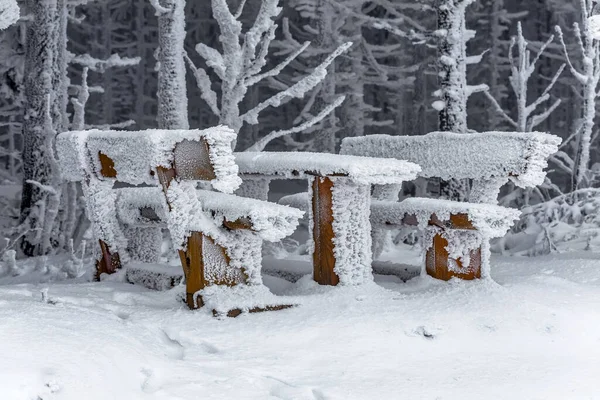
{"x":518,"y":156}
{"x":133,"y":157}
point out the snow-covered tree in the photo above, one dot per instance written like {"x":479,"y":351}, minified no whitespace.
{"x":370,"y":63}
{"x":588,"y":76}
{"x":172,"y":89}
{"x":241,"y":65}
{"x":453,"y":35}
{"x":46,"y":87}
{"x":527,"y":116}
{"x":522,"y":68}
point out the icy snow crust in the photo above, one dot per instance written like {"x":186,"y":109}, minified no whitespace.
{"x":135,"y":154}
{"x":490,"y":220}
{"x":521,"y":157}
{"x":364,"y":170}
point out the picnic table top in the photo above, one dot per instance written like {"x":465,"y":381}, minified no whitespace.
{"x":292,"y":165}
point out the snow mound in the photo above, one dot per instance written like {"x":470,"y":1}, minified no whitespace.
{"x":365,"y":170}
{"x":520,"y":157}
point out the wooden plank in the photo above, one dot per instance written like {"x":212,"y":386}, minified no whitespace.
{"x":192,"y":161}
{"x":237,"y":312}
{"x":323,"y":256}
{"x":107,"y":165}
{"x":438,"y":262}
{"x":193,"y":268}
{"x":109,"y":263}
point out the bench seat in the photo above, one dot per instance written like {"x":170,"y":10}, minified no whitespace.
{"x":271,"y":222}
{"x":490,"y":220}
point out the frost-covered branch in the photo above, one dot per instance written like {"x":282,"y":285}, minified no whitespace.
{"x":297,"y":90}
{"x":240,"y":63}
{"x":522,"y":68}
{"x":588,"y":39}
{"x":262,"y":143}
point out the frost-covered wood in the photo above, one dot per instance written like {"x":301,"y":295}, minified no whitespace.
{"x":339,"y":203}
{"x":154,"y":148}
{"x":295,"y":165}
{"x":518,"y":157}
{"x":218,"y":236}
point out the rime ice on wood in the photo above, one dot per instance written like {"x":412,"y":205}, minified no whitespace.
{"x":292,"y":165}
{"x":154,"y":148}
{"x":339,"y":189}
{"x":520,"y":157}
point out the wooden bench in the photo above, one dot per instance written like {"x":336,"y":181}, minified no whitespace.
{"x":456,"y":234}
{"x":340,"y":198}
{"x":143,"y":181}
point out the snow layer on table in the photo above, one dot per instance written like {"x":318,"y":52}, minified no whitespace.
{"x":520,"y":157}
{"x":135,"y":154}
{"x":490,"y":220}
{"x":290,"y":165}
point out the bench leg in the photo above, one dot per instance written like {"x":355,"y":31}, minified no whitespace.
{"x":440,"y":265}
{"x":322,"y":213}
{"x":108,"y":263}
{"x":341,"y":231}
{"x":206,"y":263}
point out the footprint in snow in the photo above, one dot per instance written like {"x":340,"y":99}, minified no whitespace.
{"x":287,"y":391}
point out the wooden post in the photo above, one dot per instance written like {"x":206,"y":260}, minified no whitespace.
{"x":438,"y":262}
{"x":108,"y":263}
{"x":322,"y":212}
{"x":193,"y":269}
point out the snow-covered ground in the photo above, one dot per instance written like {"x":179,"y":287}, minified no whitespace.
{"x":535,"y":334}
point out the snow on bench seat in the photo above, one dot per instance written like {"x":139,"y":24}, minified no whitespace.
{"x":291,"y":165}
{"x":271,"y":222}
{"x":133,"y":156}
{"x":491,"y":221}
{"x":518,"y":156}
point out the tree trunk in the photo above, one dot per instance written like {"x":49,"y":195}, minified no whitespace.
{"x":172,"y":91}
{"x":45,"y":114}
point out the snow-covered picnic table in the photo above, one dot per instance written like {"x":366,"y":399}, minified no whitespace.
{"x":135,"y":183}
{"x":340,"y":201}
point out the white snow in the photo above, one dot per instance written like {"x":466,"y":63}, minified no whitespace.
{"x":295,"y":165}
{"x":532,"y":335}
{"x":491,"y":220}
{"x":520,"y":157}
{"x":9,"y":13}
{"x":271,"y":221}
{"x":136,"y":154}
